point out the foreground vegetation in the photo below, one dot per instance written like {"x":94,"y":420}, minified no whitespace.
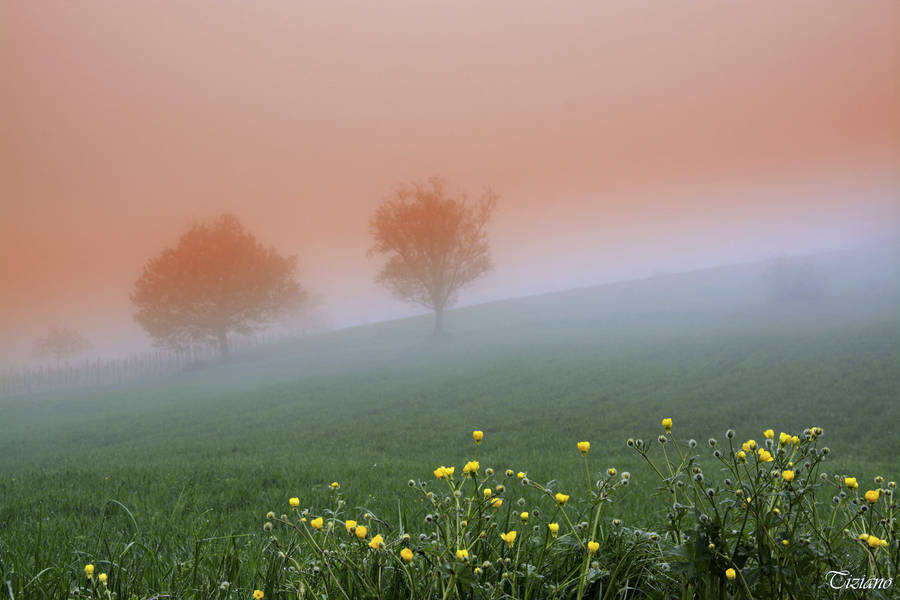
{"x":164,"y":486}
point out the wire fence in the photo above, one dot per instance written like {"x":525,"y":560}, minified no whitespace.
{"x":135,"y":367}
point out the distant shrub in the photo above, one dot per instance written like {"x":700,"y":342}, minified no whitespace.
{"x":793,"y":279}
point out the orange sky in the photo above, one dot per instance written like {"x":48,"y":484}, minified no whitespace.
{"x":624,"y":137}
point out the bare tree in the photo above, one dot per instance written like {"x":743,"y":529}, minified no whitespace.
{"x":60,"y":343}
{"x":436,"y":244}
{"x":217,"y":280}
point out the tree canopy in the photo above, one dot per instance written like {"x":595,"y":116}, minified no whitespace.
{"x":60,"y":343}
{"x":436,"y":244}
{"x":217,"y":280}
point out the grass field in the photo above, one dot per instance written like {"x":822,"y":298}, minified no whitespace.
{"x":187,"y":467}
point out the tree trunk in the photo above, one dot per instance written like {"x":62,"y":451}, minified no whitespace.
{"x":439,"y":322}
{"x":223,"y":343}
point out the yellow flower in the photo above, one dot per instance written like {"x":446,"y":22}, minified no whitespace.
{"x":361,"y":531}
{"x":667,"y":424}
{"x":350,"y":524}
{"x":787,"y":476}
{"x":509,"y":472}
{"x":611,"y":471}
{"x":317,"y":523}
{"x":478,"y":436}
{"x":741,"y":456}
{"x":873,"y":541}
{"x":89,"y":570}
{"x":524,"y":517}
{"x":561,"y":498}
{"x":749,"y":445}
{"x":785,"y":542}
{"x":795,"y":440}
{"x":584,"y":447}
{"x":406,"y":554}
{"x":294,"y":502}
{"x":872,"y":496}
{"x":102,"y":578}
{"x":594,"y":546}
{"x":497,"y":503}
{"x":462,"y":554}
{"x":884,"y":543}
{"x":487,"y":492}
{"x":520,"y":475}
{"x":258,"y":595}
{"x":509,"y":538}
{"x":783,"y":439}
{"x":769,"y":434}
{"x":765,"y":455}
{"x":471,"y":468}
{"x":335,"y":485}
{"x":730,"y":574}
{"x":863,"y":537}
{"x":553,"y":527}
{"x":851,"y":483}
{"x":500,"y":487}
{"x":444,"y":472}
{"x":376,"y":542}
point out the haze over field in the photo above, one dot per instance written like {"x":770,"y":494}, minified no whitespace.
{"x":623,"y":141}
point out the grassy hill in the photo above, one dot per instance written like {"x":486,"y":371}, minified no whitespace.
{"x":207,"y":453}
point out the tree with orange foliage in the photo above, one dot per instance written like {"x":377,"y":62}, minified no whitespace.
{"x":217,"y":280}
{"x":436,"y":244}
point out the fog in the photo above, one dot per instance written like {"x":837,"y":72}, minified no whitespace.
{"x":625,"y":139}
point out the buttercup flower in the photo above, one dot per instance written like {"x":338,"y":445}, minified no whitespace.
{"x":317,"y":523}
{"x":406,"y":554}
{"x":478,"y":436}
{"x":872,"y":496}
{"x":783,"y":439}
{"x":851,"y":483}
{"x":258,"y":595}
{"x":524,"y":517}
{"x":444,"y":472}
{"x":584,"y":447}
{"x":509,"y":538}
{"x":294,"y":502}
{"x":520,"y":475}
{"x":667,"y":424}
{"x":741,"y":456}
{"x":335,"y":485}
{"x":471,"y":468}
{"x":361,"y":531}
{"x":376,"y":542}
{"x":462,"y":554}
{"x":102,"y":578}
{"x":769,"y":434}
{"x":730,"y":574}
{"x":765,"y":456}
{"x":594,"y":546}
{"x":553,"y":527}
{"x":509,"y":472}
{"x":497,"y":503}
{"x":787,"y":476}
{"x":89,"y":570}
{"x":611,"y":471}
{"x":873,"y":541}
{"x":350,"y":525}
{"x":487,"y":492}
{"x":561,"y":498}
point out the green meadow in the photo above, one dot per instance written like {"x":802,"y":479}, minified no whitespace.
{"x":166,"y":483}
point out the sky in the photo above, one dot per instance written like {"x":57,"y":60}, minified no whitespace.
{"x":625,"y":138}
